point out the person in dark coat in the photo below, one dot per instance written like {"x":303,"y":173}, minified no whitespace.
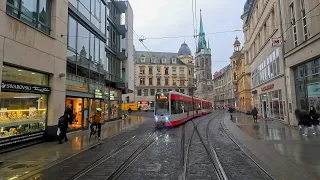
{"x":68,"y":111}
{"x":255,"y":114}
{"x":304,"y":121}
{"x":314,"y":116}
{"x":63,"y":126}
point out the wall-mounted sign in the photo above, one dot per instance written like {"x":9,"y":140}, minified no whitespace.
{"x":111,"y":95}
{"x":276,"y":42}
{"x":268,"y":87}
{"x":254,"y":92}
{"x":13,"y":86}
{"x":98,"y":94}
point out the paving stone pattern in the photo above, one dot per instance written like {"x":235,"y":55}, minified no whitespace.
{"x":236,"y":164}
{"x":76,"y":164}
{"x":199,"y":164}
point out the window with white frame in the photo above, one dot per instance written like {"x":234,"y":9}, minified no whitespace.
{"x":142,"y":80}
{"x":158,"y":70}
{"x":294,"y":25}
{"x":174,"y":60}
{"x":304,"y":20}
{"x":163,"y":60}
{"x":142,"y":59}
{"x":153,"y":60}
{"x":181,"y":70}
{"x":174,"y":70}
{"x":142,"y":70}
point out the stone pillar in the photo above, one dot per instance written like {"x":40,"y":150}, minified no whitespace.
{"x":56,"y":101}
{"x":291,"y":98}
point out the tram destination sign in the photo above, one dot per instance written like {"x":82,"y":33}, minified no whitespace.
{"x":13,"y":86}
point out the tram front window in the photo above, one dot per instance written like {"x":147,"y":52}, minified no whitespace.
{"x":162,"y":104}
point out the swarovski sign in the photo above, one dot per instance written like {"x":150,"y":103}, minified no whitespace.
{"x":10,"y":86}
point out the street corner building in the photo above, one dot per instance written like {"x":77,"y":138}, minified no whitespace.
{"x":265,"y":60}
{"x":223,"y":88}
{"x":58,"y":53}
{"x":162,"y":72}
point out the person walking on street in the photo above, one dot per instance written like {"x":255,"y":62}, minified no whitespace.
{"x":314,"y":116}
{"x":255,"y":114}
{"x":63,"y":126}
{"x":97,"y":120}
{"x":304,"y":121}
{"x":68,"y":111}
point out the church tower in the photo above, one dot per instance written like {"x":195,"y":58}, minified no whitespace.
{"x":203,"y":66}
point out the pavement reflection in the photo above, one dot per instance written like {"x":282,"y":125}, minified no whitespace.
{"x":286,"y":140}
{"x":33,"y":159}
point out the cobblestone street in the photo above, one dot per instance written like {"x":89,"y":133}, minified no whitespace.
{"x":199,"y":149}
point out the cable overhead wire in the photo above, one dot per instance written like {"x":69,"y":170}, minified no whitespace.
{"x":291,"y":24}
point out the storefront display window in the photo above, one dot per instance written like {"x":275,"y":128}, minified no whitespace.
{"x":114,"y":109}
{"x":94,"y":104}
{"x":76,"y":105}
{"x":22,"y":113}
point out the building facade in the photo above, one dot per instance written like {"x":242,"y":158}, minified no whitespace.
{"x":58,"y":53}
{"x":160,"y":72}
{"x":241,"y":78}
{"x":223,"y":88}
{"x":203,"y":64}
{"x":302,"y":51}
{"x":261,"y":23}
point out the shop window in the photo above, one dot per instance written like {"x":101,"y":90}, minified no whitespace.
{"x":24,"y":76}
{"x":22,"y":113}
{"x":75,"y":104}
{"x":36,"y":13}
{"x":114,"y":109}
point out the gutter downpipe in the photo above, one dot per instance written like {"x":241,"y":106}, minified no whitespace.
{"x":284,"y":63}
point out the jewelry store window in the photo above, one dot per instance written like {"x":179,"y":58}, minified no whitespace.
{"x":22,"y":113}
{"x":23,"y":105}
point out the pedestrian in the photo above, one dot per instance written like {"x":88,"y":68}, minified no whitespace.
{"x":314,"y":116}
{"x":129,"y":110}
{"x":68,"y":111}
{"x":97,"y":120}
{"x":255,"y":114}
{"x":63,"y":126}
{"x":304,"y":121}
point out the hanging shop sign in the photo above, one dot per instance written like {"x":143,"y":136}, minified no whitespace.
{"x":112,"y":95}
{"x":13,"y":86}
{"x":268,"y":87}
{"x":254,"y":92}
{"x":276,"y":42}
{"x":98,"y":94}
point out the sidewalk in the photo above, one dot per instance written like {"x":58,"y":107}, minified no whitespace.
{"x":278,"y":148}
{"x":33,"y":158}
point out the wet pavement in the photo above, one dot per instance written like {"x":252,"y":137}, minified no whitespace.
{"x":281,"y":149}
{"x":35,"y":158}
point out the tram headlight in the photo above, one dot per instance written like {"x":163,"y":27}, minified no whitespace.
{"x":167,"y":118}
{"x":156,"y":118}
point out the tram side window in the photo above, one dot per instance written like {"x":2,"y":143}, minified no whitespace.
{"x":199,"y":106}
{"x":176,"y":107}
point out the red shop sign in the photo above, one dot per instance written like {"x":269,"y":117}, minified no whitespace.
{"x":143,"y":102}
{"x":271,"y":86}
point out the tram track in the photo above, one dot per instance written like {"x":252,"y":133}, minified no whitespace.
{"x":149,"y":139}
{"x":186,"y":148}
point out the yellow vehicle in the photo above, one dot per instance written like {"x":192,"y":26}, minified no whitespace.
{"x":133,"y":107}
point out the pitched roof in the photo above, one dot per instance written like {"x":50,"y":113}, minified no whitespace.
{"x":158,"y":56}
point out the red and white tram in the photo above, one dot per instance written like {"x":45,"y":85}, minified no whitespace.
{"x":173,"y":108}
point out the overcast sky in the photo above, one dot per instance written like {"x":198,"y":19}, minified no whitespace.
{"x":163,"y":18}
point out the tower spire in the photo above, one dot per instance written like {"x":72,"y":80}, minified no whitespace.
{"x":202,"y":44}
{"x":201,"y":24}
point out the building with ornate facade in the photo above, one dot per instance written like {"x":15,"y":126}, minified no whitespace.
{"x":241,"y":77}
{"x":162,"y":71}
{"x":223,"y":88}
{"x":261,"y":23}
{"x":203,"y":66}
